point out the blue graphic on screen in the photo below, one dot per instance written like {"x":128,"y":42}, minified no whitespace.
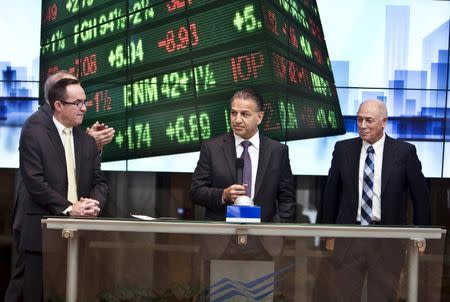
{"x":13,"y":102}
{"x":410,"y":93}
{"x":416,"y":98}
{"x":16,"y":104}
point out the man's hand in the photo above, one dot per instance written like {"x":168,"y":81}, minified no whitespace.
{"x":101,"y":133}
{"x":232,"y":192}
{"x":86,"y":207}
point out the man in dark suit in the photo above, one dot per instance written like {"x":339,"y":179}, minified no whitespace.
{"x":214,"y":182}
{"x":60,"y":166}
{"x":367,"y":185}
{"x":102,"y":135}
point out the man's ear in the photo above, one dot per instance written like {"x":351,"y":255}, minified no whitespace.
{"x":58,"y":106}
{"x":384,"y":122}
{"x":260,"y":116}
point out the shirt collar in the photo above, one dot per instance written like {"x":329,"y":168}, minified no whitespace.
{"x":254,"y":140}
{"x":376,"y":146}
{"x":60,"y":126}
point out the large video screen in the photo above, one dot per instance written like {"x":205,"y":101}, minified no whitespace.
{"x":162,"y":72}
{"x":393,"y":50}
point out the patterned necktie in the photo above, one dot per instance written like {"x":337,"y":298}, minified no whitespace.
{"x":71,"y":180}
{"x":367,"y":194}
{"x":247,"y":176}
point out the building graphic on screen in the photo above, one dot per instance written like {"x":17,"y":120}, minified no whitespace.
{"x":396,"y":39}
{"x":416,"y":99}
{"x":162,"y":72}
{"x":16,"y":100}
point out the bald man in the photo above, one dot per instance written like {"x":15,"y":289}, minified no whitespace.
{"x":367,"y":185}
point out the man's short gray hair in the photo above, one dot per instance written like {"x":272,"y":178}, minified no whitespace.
{"x":51,"y":80}
{"x":382,"y":109}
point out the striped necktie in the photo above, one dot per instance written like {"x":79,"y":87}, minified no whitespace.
{"x":367,"y":192}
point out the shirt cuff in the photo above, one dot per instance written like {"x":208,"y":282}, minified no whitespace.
{"x":67,"y":211}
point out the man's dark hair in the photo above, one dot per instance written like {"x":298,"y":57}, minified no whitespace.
{"x":58,"y":92}
{"x":249,"y":94}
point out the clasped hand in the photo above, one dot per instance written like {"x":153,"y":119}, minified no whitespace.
{"x":86,"y":207}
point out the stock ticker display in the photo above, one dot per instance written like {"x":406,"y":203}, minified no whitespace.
{"x":162,"y":72}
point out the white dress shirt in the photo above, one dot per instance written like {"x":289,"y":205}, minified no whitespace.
{"x":253,"y":151}
{"x":378,"y":158}
{"x":60,"y":127}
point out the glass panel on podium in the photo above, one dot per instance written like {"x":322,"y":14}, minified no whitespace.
{"x":129,"y":260}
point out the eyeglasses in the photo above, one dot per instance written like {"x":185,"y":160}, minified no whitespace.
{"x":78,"y":103}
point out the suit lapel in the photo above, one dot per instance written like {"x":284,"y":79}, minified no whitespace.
{"x":263,"y":161}
{"x":388,"y":161}
{"x":55,"y":138}
{"x":77,"y":149}
{"x":229,"y":150}
{"x":353,"y":157}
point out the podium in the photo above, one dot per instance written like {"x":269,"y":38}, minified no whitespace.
{"x":171,"y":260}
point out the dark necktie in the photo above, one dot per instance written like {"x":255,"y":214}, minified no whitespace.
{"x":247,"y":176}
{"x":367,"y":192}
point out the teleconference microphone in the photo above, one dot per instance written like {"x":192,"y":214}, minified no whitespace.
{"x":239,"y":171}
{"x":243,"y":209}
{"x":243,"y":199}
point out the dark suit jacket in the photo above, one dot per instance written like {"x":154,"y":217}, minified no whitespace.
{"x":40,"y":117}
{"x":43,"y":168}
{"x":216,"y":170}
{"x":401,"y":170}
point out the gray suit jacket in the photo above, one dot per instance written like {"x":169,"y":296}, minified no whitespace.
{"x":216,"y":170}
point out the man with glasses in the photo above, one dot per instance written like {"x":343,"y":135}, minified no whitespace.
{"x":102,"y":135}
{"x":60,"y":166}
